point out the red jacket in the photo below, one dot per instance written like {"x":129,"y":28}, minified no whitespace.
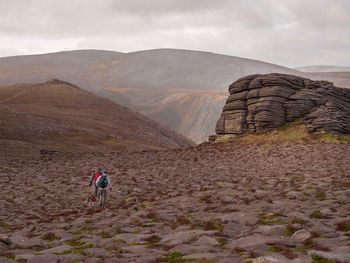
{"x":96,"y":176}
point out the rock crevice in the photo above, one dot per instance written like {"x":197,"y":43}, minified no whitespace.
{"x":259,"y":103}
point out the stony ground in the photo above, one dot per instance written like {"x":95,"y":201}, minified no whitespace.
{"x":224,"y":202}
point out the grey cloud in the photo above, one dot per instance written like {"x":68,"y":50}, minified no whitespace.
{"x":288,"y":32}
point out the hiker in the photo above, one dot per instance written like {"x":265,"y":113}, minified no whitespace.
{"x":94,"y":179}
{"x":102,"y":183}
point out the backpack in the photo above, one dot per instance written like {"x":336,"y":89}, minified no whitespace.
{"x":103,"y":181}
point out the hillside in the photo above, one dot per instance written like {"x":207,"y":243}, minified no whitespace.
{"x":220,"y":203}
{"x":79,"y":67}
{"x":322,"y":68}
{"x":173,"y":87}
{"x":340,"y":79}
{"x":59,"y":116}
{"x":146,"y":81}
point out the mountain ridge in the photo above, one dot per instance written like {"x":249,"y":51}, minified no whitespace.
{"x":148,"y":81}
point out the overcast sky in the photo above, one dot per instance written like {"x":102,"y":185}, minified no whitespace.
{"x":285,"y":32}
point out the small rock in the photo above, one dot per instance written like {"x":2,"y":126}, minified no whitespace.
{"x":187,"y":249}
{"x":23,"y":257}
{"x":6,"y":260}
{"x":69,"y":258}
{"x":46,"y":258}
{"x":320,"y":228}
{"x":131,"y":238}
{"x":271,"y":259}
{"x":276,"y":230}
{"x":301,"y":235}
{"x":298,"y":216}
{"x":58,"y":249}
{"x":241,"y":218}
{"x":64,"y":235}
{"x":5,"y":239}
{"x":204,"y":240}
{"x":338,"y":257}
{"x":294,"y":195}
{"x":232,"y":227}
{"x":184,"y":236}
{"x":140,"y":250}
{"x":20,"y":241}
{"x":256,"y":240}
{"x":97,"y":252}
{"x":201,"y":256}
{"x":326,"y":211}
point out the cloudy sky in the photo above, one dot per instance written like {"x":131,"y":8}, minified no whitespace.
{"x":286,"y":32}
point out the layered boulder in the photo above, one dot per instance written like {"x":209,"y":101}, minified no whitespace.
{"x":259,"y":103}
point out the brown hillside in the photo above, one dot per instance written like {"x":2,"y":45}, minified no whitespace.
{"x":151,"y":82}
{"x":145,"y":81}
{"x":340,"y":79}
{"x":60,"y":116}
{"x":231,"y":202}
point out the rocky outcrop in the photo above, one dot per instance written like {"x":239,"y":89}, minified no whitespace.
{"x":259,"y":103}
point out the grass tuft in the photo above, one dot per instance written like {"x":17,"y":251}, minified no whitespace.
{"x":4,"y":225}
{"x":208,"y":225}
{"x":104,"y":234}
{"x":153,"y":241}
{"x":288,"y":132}
{"x":318,"y":259}
{"x":343,"y":226}
{"x":271,"y":219}
{"x":333,"y":138}
{"x":50,"y":237}
{"x":318,"y":215}
{"x":174,"y":257}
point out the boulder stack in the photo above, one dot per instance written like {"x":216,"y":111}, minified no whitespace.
{"x":259,"y":103}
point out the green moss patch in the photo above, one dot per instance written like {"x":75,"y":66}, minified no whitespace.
{"x":271,"y":219}
{"x":208,"y":225}
{"x":343,"y":226}
{"x":4,"y":225}
{"x":50,"y":237}
{"x":317,"y":259}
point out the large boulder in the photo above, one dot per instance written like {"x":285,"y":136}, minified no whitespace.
{"x":259,"y":103}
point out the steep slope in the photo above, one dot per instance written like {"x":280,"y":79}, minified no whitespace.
{"x":192,"y":113}
{"x":152,"y":82}
{"x":59,"y":116}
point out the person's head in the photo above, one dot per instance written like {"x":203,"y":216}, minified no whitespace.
{"x":100,"y":170}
